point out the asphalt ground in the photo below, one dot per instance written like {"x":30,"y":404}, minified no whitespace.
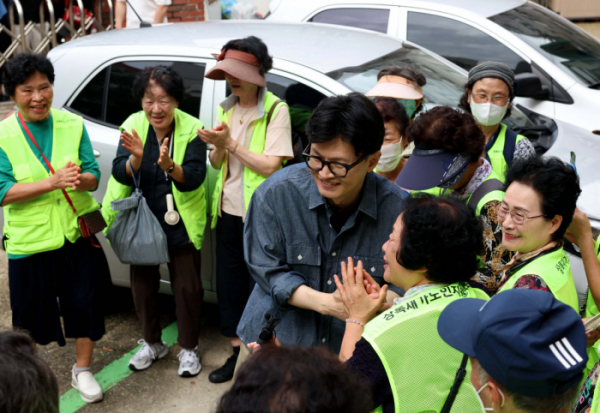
{"x":156,"y":390}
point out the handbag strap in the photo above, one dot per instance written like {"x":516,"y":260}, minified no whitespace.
{"x":24,"y":125}
{"x":136,"y":182}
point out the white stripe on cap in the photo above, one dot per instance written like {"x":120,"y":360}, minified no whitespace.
{"x":559,"y":357}
{"x":565,"y":353}
{"x":572,"y":350}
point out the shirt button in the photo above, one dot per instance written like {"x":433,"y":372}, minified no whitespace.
{"x":324,"y":340}
{"x":372,"y":269}
{"x":299,"y":257}
{"x":329,"y":281}
{"x":333,"y":254}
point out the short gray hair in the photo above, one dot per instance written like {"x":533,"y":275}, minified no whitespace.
{"x":553,"y":404}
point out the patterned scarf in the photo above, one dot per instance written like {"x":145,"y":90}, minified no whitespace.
{"x":479,"y":176}
{"x":519,"y":258}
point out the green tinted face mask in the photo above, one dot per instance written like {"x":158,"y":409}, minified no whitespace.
{"x":410,"y":105}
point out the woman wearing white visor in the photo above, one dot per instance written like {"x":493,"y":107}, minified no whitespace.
{"x":398,"y":96}
{"x":488,"y":96}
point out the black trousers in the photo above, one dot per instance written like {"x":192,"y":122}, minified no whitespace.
{"x":64,"y":282}
{"x":184,"y":271}
{"x":234,"y":283}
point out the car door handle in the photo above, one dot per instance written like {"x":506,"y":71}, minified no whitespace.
{"x":96,"y":154}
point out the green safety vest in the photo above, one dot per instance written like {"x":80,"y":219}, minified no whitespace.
{"x":496,"y":153}
{"x":191,"y":205}
{"x":43,"y":223}
{"x":555,"y":269}
{"x":420,"y":366}
{"x":495,"y":195}
{"x":591,"y":310}
{"x":254,"y":141}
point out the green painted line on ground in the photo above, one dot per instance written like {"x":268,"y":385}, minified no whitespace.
{"x":110,"y":375}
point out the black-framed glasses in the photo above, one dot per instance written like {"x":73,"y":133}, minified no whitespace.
{"x":517,"y":217}
{"x":336,"y":168}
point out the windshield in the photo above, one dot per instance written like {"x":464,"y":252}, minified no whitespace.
{"x":559,"y":40}
{"x":444,"y":83}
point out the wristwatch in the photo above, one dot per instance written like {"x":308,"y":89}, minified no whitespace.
{"x":171,"y":169}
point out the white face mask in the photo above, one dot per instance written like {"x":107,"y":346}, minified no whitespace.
{"x":488,"y":114}
{"x":488,"y":409}
{"x":390,"y":157}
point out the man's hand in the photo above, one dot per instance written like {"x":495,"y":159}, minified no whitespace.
{"x":580,"y":228}
{"x":358,"y":303}
{"x":164,"y":160}
{"x":219,"y":136}
{"x":66,"y":177}
{"x":133,"y":143}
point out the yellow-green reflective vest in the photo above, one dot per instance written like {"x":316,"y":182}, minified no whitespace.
{"x":496,"y":153}
{"x":495,"y":195}
{"x":254,"y":141}
{"x":591,"y":310}
{"x":555,"y":269}
{"x":191,"y":205}
{"x":420,"y":366}
{"x":43,"y":223}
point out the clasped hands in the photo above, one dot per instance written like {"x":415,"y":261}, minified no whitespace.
{"x":219,"y":137}
{"x":133,"y":143}
{"x":66,"y":177}
{"x":361,"y":296}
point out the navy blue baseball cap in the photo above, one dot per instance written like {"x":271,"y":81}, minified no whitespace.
{"x":429,"y":167}
{"x":527,"y":340}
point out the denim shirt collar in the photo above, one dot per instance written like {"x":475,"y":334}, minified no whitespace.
{"x":368,"y":204}
{"x":230,"y":102}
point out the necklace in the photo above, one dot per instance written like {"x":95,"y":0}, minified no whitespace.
{"x":243,"y":114}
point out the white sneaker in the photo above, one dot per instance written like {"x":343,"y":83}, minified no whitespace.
{"x":189,"y":365}
{"x":147,"y":354}
{"x":87,"y":385}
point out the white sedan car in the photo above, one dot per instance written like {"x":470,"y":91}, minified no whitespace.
{"x":522,"y":34}
{"x":94,"y":77}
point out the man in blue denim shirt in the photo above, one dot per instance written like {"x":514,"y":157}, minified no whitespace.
{"x":306,"y":219}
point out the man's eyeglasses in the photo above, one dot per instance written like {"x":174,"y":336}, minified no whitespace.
{"x":517,"y":217}
{"x":337,"y":168}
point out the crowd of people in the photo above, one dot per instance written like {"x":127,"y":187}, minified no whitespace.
{"x":411,"y":247}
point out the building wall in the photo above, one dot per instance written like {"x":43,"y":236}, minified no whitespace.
{"x":186,"y":11}
{"x":576,"y":9}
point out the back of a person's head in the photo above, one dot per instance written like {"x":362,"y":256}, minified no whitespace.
{"x":442,"y":235}
{"x":27,"y":384}
{"x":449,"y":129}
{"x":555,"y":181}
{"x":528,"y":404}
{"x":353,"y":118}
{"x":295,"y":380}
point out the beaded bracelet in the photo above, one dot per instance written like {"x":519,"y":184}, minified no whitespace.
{"x":350,"y":320}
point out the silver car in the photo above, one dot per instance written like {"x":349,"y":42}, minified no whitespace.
{"x":94,"y":77}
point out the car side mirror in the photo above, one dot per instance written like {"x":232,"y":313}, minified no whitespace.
{"x":529,"y":85}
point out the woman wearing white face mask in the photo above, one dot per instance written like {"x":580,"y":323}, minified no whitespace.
{"x":488,"y":96}
{"x":394,"y":151}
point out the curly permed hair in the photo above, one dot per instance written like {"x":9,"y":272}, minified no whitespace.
{"x":442,"y":235}
{"x":21,"y":67}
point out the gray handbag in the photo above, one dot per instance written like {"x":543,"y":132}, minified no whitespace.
{"x":136,"y":235}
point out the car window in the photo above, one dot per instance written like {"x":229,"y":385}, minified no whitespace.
{"x":369,"y":19}
{"x":576,"y":53}
{"x":301,"y":99}
{"x":460,"y":43}
{"x":107,"y":97}
{"x":444,"y":83}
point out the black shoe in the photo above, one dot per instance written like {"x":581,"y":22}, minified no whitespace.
{"x":225,"y":373}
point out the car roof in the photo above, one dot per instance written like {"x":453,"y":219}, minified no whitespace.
{"x":319,"y":46}
{"x":484,"y":8}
